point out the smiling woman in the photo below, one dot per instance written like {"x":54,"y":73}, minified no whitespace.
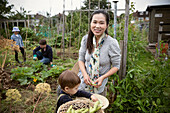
{"x":99,"y":55}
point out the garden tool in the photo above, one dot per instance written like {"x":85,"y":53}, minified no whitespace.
{"x":35,"y":57}
{"x":52,"y":65}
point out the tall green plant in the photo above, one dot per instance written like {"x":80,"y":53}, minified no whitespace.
{"x":143,"y":90}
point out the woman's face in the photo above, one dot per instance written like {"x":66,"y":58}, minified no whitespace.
{"x":98,"y":24}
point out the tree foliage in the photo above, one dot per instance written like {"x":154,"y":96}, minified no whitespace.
{"x":95,"y":4}
{"x":4,"y":9}
{"x":19,"y":14}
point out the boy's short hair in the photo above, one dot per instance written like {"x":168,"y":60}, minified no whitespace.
{"x":68,"y":79}
{"x":42,"y":42}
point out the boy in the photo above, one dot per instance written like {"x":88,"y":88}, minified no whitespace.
{"x":17,"y":37}
{"x":69,"y":83}
{"x":46,"y":54}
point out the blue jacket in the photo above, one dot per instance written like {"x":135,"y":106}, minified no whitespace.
{"x":18,"y":40}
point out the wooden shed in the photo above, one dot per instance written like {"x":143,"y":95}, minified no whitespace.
{"x":157,"y":14}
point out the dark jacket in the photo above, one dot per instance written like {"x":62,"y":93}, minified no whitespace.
{"x":66,"y":97}
{"x":48,"y":53}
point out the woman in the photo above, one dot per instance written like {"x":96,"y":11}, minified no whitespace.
{"x":99,"y":55}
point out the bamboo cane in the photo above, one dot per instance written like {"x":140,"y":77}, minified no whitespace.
{"x":4,"y":60}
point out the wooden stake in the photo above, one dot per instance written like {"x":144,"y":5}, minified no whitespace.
{"x":4,"y":60}
{"x":79,"y":30}
{"x":125,"y":37}
{"x":6,"y":30}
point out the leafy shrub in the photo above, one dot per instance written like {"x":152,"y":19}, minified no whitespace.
{"x":22,"y":74}
{"x":39,"y":66}
{"x":142,"y":91}
{"x":55,"y":71}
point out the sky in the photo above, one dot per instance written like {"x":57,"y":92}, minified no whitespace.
{"x":56,"y":6}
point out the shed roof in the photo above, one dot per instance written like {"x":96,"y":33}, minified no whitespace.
{"x":150,"y":7}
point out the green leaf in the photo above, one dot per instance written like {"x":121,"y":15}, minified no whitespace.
{"x":141,"y":105}
{"x":23,"y":81}
{"x":139,"y":108}
{"x":121,"y":107}
{"x":112,"y":87}
{"x":13,"y":76}
{"x":142,"y":92}
{"x":153,"y":102}
{"x":158,"y":101}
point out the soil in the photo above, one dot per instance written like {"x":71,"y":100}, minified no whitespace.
{"x":7,"y":83}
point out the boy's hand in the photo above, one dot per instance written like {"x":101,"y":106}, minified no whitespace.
{"x":94,"y":99}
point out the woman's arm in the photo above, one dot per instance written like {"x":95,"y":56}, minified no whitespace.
{"x":84,"y":73}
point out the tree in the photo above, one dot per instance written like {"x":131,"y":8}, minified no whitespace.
{"x":94,"y":4}
{"x":19,"y":14}
{"x":4,"y":9}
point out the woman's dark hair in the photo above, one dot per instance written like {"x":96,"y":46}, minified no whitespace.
{"x":90,"y":33}
{"x":42,"y":42}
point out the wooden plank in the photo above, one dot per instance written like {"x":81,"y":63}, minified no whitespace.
{"x":162,"y":32}
{"x":164,"y":24}
{"x":92,"y":10}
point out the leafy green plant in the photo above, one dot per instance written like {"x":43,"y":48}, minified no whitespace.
{"x":44,"y":74}
{"x":39,"y":66}
{"x":55,"y":71}
{"x":22,"y":74}
{"x":145,"y":87}
{"x":30,"y":33}
{"x":141,"y":91}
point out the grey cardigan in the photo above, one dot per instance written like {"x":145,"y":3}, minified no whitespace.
{"x":109,"y":57}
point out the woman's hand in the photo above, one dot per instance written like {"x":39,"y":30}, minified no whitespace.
{"x":87,"y":80}
{"x":98,"y":82}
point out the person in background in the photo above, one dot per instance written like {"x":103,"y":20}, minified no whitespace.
{"x":69,"y":83}
{"x":45,"y":55}
{"x":99,"y":55}
{"x":18,"y":39}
